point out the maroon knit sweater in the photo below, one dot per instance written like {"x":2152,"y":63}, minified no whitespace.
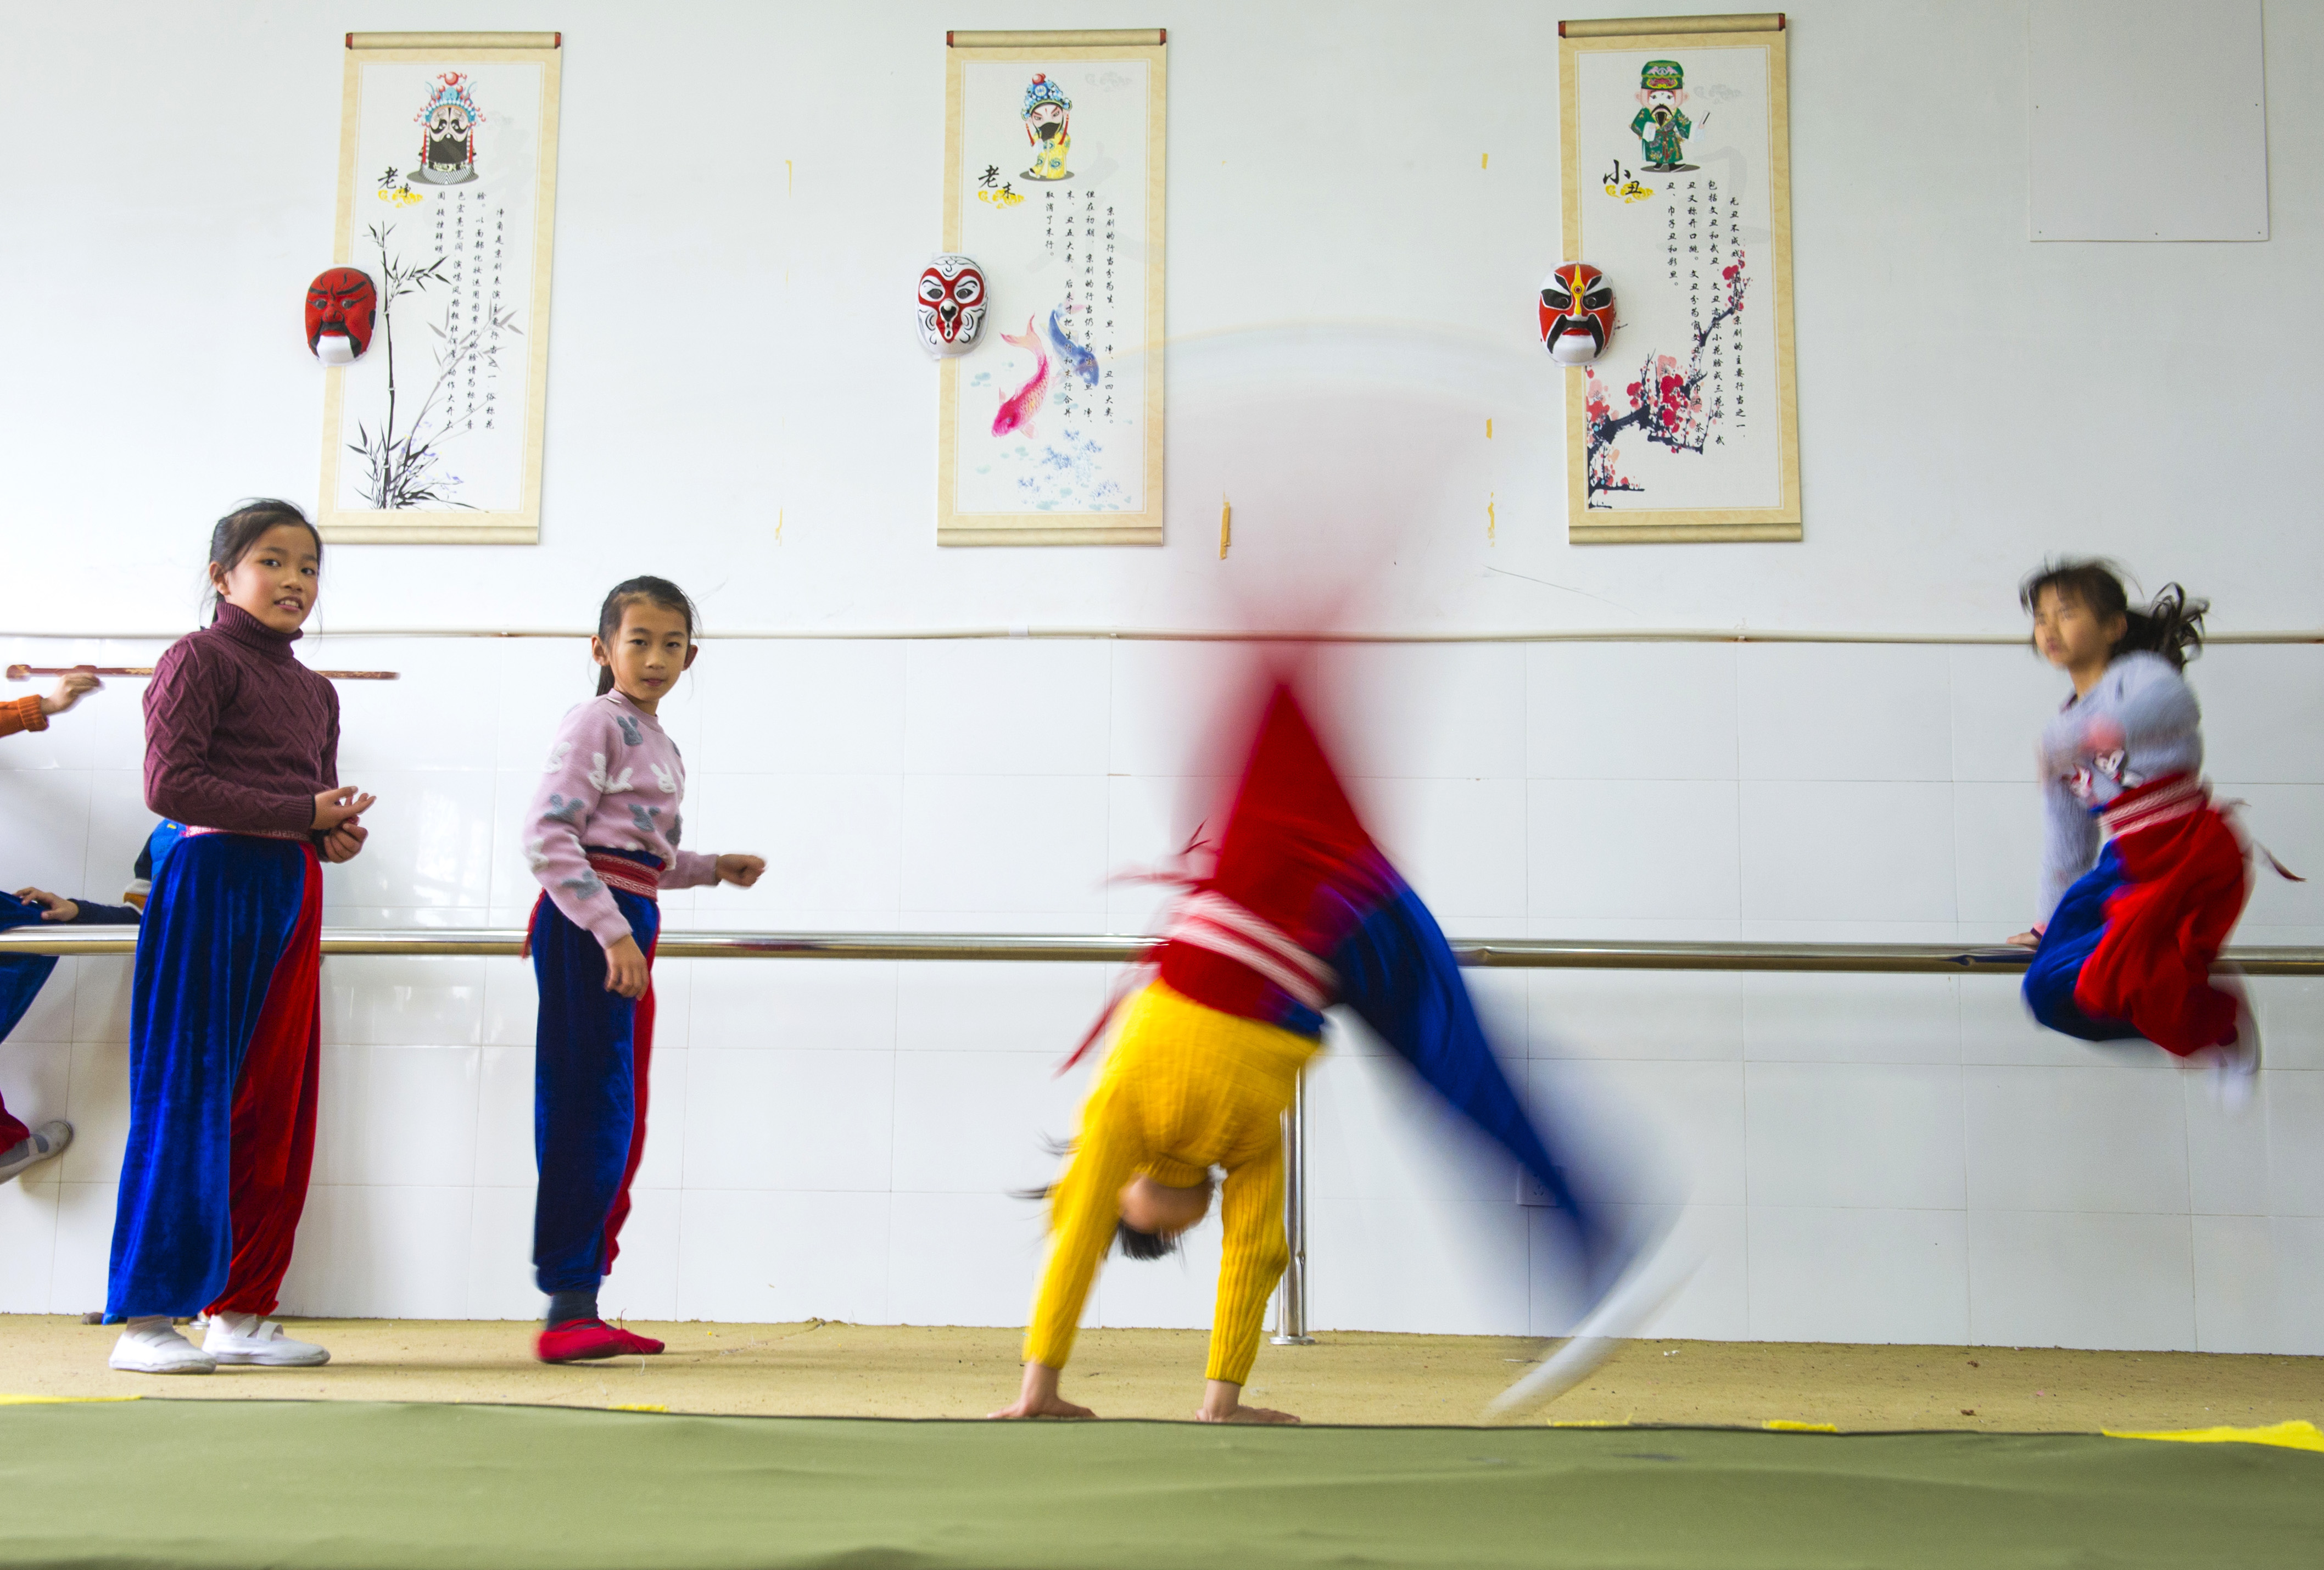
{"x":238,"y":735}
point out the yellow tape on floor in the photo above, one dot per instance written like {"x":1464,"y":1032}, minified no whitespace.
{"x":8,"y":1400}
{"x":2297,"y":1435}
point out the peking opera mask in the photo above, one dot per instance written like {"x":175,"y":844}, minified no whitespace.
{"x":1577,"y":313}
{"x":951,"y":306}
{"x":341,"y":305}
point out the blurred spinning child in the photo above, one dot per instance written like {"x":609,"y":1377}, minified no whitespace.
{"x":602,"y":836}
{"x":2129,"y":934}
{"x":241,"y":747}
{"x":1301,"y":912}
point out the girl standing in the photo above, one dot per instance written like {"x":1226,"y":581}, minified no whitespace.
{"x":2129,"y":933}
{"x":241,"y":747}
{"x":602,"y":836}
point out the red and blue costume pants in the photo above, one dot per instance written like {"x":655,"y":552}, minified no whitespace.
{"x":225,"y":1055}
{"x":2129,"y":950}
{"x":592,"y":1053}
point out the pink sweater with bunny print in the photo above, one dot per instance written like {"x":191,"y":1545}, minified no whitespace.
{"x":615,"y":781}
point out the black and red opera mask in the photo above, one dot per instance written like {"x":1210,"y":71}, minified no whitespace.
{"x":1577,"y":313}
{"x":341,"y":305}
{"x":950,"y":305}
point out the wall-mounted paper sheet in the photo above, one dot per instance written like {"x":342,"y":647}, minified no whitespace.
{"x":447,"y":199}
{"x":1050,"y":432}
{"x":1677,"y":185}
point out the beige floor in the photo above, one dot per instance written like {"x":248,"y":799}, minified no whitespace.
{"x":888,"y":1371}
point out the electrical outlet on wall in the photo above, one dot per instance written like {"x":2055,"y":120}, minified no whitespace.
{"x":1533,"y":1193}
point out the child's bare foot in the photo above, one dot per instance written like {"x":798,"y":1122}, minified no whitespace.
{"x":1242,"y":1414}
{"x":1040,"y":1397}
{"x":1222,"y":1403}
{"x":1055,"y":1406}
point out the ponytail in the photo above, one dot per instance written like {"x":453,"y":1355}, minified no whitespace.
{"x":2173,"y":627}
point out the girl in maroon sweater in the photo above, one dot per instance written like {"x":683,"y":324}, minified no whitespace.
{"x":241,"y":747}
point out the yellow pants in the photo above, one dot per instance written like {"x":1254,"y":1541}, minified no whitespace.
{"x":1185,"y":1088}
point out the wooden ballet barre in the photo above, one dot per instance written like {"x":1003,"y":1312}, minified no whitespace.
{"x":1496,"y":952}
{"x":26,"y":672}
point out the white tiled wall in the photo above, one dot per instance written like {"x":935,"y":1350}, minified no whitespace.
{"x":1855,"y":1157}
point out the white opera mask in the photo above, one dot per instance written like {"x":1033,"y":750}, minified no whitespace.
{"x":950,"y":304}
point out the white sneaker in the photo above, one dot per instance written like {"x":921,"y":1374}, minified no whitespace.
{"x":1643,"y":1291}
{"x":43,"y":1143}
{"x":153,"y":1346}
{"x":246,"y":1339}
{"x":2235,"y":1068}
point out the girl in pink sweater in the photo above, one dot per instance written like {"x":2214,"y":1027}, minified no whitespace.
{"x":602,"y":836}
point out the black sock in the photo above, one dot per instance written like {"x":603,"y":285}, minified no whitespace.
{"x":565,"y":1307}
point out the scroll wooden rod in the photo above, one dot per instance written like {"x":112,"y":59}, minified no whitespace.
{"x":1648,"y":27}
{"x":455,"y":40}
{"x":26,"y":672}
{"x":1069,"y":38}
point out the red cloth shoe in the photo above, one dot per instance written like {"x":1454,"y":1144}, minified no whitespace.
{"x":645,"y":1346}
{"x":579,"y":1340}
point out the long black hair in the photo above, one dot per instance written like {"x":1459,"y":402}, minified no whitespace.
{"x":238,"y":531}
{"x":2170,"y":627}
{"x":1134,"y":1244}
{"x":645,"y":589}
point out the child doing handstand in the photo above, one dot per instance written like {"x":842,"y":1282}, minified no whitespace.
{"x":1301,"y":912}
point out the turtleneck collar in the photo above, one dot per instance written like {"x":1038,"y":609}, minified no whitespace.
{"x":247,"y":629}
{"x":623,"y":701}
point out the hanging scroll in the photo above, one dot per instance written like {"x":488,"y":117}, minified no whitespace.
{"x":1677,"y":185}
{"x":1050,"y":431}
{"x":448,"y":187}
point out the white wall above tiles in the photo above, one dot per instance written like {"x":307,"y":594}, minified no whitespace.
{"x":1858,"y":1157}
{"x":1969,"y":400}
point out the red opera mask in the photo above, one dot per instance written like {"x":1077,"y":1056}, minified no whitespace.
{"x":1577,"y":313}
{"x":950,"y":305}
{"x":340,"y":307}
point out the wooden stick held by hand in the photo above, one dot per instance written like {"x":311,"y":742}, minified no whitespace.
{"x":26,"y":672}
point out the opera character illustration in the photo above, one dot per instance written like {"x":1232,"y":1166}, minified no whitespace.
{"x":1661,"y":125}
{"x":1048,"y":126}
{"x":447,"y":137}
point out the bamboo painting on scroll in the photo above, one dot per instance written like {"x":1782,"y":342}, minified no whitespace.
{"x":1677,"y":187}
{"x":446,"y":182}
{"x":1051,"y":432}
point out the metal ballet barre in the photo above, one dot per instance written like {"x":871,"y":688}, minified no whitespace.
{"x":1498,"y":953}
{"x":1484,"y":953}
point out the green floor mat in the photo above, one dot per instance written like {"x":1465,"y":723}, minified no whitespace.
{"x":249,"y":1483}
